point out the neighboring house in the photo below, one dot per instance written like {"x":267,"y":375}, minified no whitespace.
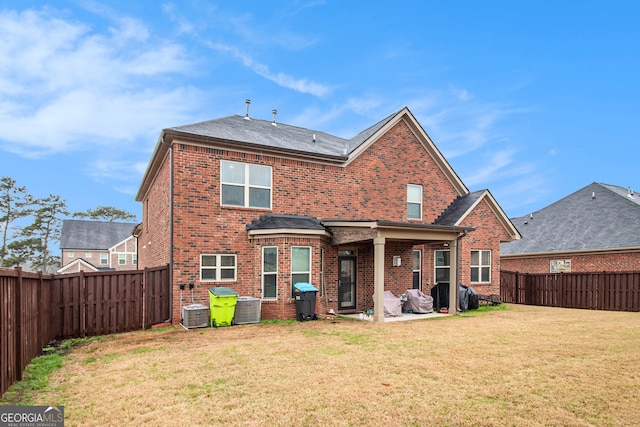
{"x":258,"y":206}
{"x":97,"y":245}
{"x":595,"y":229}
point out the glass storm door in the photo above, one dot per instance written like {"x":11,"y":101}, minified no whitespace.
{"x":347,"y":283}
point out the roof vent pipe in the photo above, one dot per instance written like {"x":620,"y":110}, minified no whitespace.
{"x":274,"y":112}
{"x":246,"y":115}
{"x":593,"y":194}
{"x":314,"y":137}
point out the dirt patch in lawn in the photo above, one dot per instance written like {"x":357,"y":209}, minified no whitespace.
{"x":524,"y":366}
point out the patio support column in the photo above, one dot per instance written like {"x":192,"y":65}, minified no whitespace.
{"x":378,"y":279}
{"x":453,"y":277}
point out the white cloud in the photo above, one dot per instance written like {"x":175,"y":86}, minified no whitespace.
{"x":302,"y":85}
{"x":66,"y":84}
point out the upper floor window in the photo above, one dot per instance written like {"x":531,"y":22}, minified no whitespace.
{"x":104,"y":258}
{"x":122,"y":259}
{"x":480,"y":266}
{"x":70,"y":254}
{"x":217,"y":268}
{"x":87,"y":254}
{"x":245,"y":185}
{"x":134,"y":259}
{"x":414,"y":201}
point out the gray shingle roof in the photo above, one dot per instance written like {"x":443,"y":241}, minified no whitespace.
{"x":458,"y":208}
{"x":83,"y":234}
{"x":598,"y":216}
{"x":271,"y":221}
{"x":262,"y":132}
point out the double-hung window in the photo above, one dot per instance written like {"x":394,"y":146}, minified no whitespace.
{"x":122,"y":259}
{"x":245,"y":185}
{"x":480,"y":266}
{"x":270,"y":272}
{"x":442,"y":266}
{"x":417,"y":263}
{"x":300,"y":265}
{"x":414,"y":201}
{"x":217,"y":268}
{"x":104,"y":258}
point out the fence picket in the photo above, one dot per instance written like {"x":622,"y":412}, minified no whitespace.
{"x":36,"y":309}
{"x":619,"y":291}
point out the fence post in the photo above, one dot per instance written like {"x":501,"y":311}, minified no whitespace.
{"x":18,"y":329}
{"x":145,"y":303}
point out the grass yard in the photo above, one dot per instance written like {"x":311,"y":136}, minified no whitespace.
{"x":519,"y":366}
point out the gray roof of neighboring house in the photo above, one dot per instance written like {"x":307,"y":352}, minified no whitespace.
{"x":83,"y":234}
{"x":271,"y":221}
{"x":598,"y":216}
{"x":458,"y":208}
{"x":292,"y":138}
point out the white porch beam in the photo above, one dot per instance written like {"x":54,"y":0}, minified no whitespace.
{"x":378,"y":279}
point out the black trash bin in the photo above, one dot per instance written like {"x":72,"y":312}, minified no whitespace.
{"x":440,"y":294}
{"x":305,"y":295}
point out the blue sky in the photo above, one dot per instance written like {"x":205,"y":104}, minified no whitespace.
{"x":530,"y":99}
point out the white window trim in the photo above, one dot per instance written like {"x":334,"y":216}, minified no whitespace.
{"x":419,"y":270}
{"x":479,"y":266}
{"x":419,"y":203}
{"x":219,"y":268}
{"x":122,"y":259}
{"x":270,"y":273}
{"x":301,"y":272}
{"x":246,"y":186}
{"x":104,"y":257}
{"x":436,"y":267}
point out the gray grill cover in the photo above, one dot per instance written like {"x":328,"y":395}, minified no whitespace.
{"x":418,"y":302}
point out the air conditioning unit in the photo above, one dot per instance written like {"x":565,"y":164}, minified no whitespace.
{"x":195,"y":316}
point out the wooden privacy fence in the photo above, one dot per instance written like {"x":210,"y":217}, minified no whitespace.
{"x":597,"y":291}
{"x":36,"y":309}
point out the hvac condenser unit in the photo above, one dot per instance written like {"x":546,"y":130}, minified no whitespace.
{"x":195,"y":316}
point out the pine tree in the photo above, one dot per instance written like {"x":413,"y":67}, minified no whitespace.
{"x":15,"y":203}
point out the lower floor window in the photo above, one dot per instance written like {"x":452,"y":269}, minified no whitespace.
{"x":417,"y":263}
{"x":442,"y":266}
{"x":480,"y":266}
{"x":270,"y":272}
{"x":217,"y":268}
{"x":300,"y":266}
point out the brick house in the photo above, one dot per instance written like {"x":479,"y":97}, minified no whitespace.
{"x":97,"y":245}
{"x":258,"y":206}
{"x":595,"y":229}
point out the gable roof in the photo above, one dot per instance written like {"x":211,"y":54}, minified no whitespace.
{"x":241,"y":133}
{"x":596,"y":217}
{"x":74,"y":263}
{"x":84,"y":234}
{"x":455,"y":214}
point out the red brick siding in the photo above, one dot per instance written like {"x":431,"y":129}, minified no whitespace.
{"x":154,"y":240}
{"x":628,"y":261}
{"x":487,"y":235}
{"x":373,"y":186}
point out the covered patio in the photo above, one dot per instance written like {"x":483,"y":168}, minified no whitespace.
{"x":379,"y":233}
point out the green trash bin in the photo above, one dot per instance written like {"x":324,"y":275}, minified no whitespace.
{"x":222,"y":304}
